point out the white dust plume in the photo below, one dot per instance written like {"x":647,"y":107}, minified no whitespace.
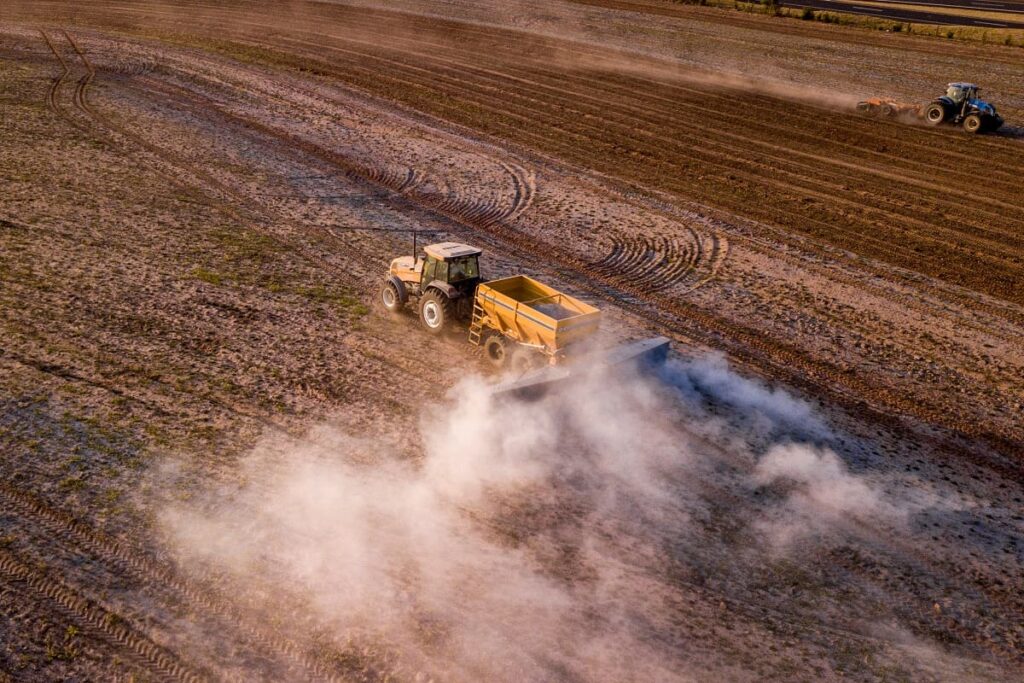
{"x":528,"y":541}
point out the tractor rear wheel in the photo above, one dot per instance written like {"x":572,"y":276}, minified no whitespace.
{"x":972,"y":124}
{"x":888,"y":111}
{"x":935,"y":114}
{"x":496,"y":349}
{"x":435,"y":311}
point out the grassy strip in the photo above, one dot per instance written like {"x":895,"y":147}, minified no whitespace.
{"x":995,"y":36}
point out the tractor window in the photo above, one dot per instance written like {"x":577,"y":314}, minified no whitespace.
{"x":465,"y":268}
{"x":428,"y":270}
{"x":441,"y":271}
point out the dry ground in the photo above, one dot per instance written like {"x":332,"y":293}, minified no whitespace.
{"x":180,"y":277}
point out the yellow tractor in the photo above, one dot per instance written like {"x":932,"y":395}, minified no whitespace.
{"x":517,"y":320}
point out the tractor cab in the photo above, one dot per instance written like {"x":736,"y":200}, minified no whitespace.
{"x":448,"y":263}
{"x":451,"y":263}
{"x":961,"y":92}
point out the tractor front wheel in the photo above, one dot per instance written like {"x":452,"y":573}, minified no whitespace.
{"x":435,"y":311}
{"x":391,"y":297}
{"x":935,"y":114}
{"x":972,"y":124}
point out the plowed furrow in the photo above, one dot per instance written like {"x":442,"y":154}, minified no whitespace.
{"x":99,"y":619}
{"x":505,"y":67}
{"x":826,"y":197}
{"x":114,"y":553}
{"x":696,"y":142}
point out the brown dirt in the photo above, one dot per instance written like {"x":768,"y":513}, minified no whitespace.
{"x":179,"y":275}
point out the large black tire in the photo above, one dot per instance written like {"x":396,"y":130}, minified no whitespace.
{"x":887,"y":110}
{"x":934,"y":114}
{"x":496,"y":350}
{"x":435,"y":311}
{"x":973,"y":124}
{"x":391,"y":297}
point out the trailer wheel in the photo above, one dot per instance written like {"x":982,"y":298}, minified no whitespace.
{"x":972,"y":124}
{"x":521,"y":361}
{"x":496,"y":349}
{"x":435,"y":311}
{"x":935,"y":114}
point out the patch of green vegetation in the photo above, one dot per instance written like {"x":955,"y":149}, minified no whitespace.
{"x":111,"y":497}
{"x":247,"y":245}
{"x":208,"y":276}
{"x":339,"y":297}
{"x":72,"y":483}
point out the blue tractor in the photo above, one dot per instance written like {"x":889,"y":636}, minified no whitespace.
{"x":960,"y":105}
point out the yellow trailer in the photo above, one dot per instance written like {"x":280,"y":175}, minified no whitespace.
{"x":520,"y":312}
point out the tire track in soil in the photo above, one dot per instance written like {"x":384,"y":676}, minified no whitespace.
{"x":115,"y":554}
{"x":483,"y":211}
{"x":523,"y":182}
{"x":72,"y":375}
{"x":214,"y":192}
{"x":818,"y":256}
{"x":102,"y":622}
{"x":524,"y":185}
{"x":661,"y":262}
{"x":53,"y":95}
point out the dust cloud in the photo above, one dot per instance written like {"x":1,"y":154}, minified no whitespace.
{"x":573,"y":39}
{"x":526,"y":542}
{"x":823,"y":494}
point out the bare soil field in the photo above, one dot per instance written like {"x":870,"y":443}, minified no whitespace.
{"x":222,"y":460}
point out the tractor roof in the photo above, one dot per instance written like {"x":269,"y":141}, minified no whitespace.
{"x":447,"y":250}
{"x":962,"y":85}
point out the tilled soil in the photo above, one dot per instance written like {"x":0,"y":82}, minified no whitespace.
{"x":186,"y":267}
